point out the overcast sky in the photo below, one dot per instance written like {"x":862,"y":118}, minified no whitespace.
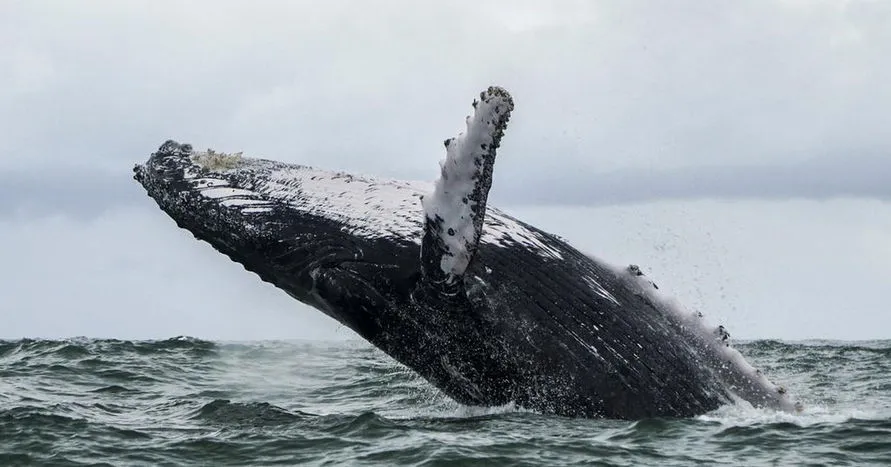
{"x":754,"y":133}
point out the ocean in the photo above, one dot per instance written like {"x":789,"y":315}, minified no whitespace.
{"x":186,"y":401}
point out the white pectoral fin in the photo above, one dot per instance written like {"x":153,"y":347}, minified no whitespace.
{"x":455,"y":210}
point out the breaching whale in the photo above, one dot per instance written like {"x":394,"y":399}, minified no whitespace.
{"x":489,"y":309}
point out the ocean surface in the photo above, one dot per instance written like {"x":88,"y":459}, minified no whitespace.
{"x":184,"y":401}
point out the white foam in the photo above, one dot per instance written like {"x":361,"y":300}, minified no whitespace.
{"x":744,"y":414}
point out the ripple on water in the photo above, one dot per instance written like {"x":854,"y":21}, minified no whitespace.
{"x":187,"y":401}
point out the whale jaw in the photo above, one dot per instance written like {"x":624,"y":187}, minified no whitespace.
{"x":313,"y":258}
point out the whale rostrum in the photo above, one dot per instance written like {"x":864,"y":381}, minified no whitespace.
{"x":487,"y":308}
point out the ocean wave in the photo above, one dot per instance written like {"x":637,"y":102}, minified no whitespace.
{"x":225,"y":412}
{"x":81,"y":347}
{"x":188,"y":401}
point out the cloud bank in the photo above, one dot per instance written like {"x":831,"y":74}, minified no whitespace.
{"x":677,"y":99}
{"x":622,"y":107}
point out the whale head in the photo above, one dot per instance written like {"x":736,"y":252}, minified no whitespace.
{"x":347,"y":245}
{"x":322,"y":237}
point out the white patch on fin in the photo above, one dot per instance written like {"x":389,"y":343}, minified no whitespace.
{"x":462,"y":172}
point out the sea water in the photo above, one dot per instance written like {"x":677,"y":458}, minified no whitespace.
{"x":185,"y":401}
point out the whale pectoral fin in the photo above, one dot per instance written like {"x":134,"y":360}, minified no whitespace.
{"x":455,"y":211}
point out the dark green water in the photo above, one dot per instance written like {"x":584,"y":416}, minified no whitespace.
{"x":191,"y":402}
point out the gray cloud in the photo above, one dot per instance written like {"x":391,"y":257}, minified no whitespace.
{"x":825,"y":178}
{"x":616,"y":101}
{"x":130,"y":273}
{"x":76,"y":193}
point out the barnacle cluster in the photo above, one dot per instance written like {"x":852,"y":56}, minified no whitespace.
{"x":213,"y":160}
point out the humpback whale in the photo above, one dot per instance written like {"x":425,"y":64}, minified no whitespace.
{"x":487,"y":308}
